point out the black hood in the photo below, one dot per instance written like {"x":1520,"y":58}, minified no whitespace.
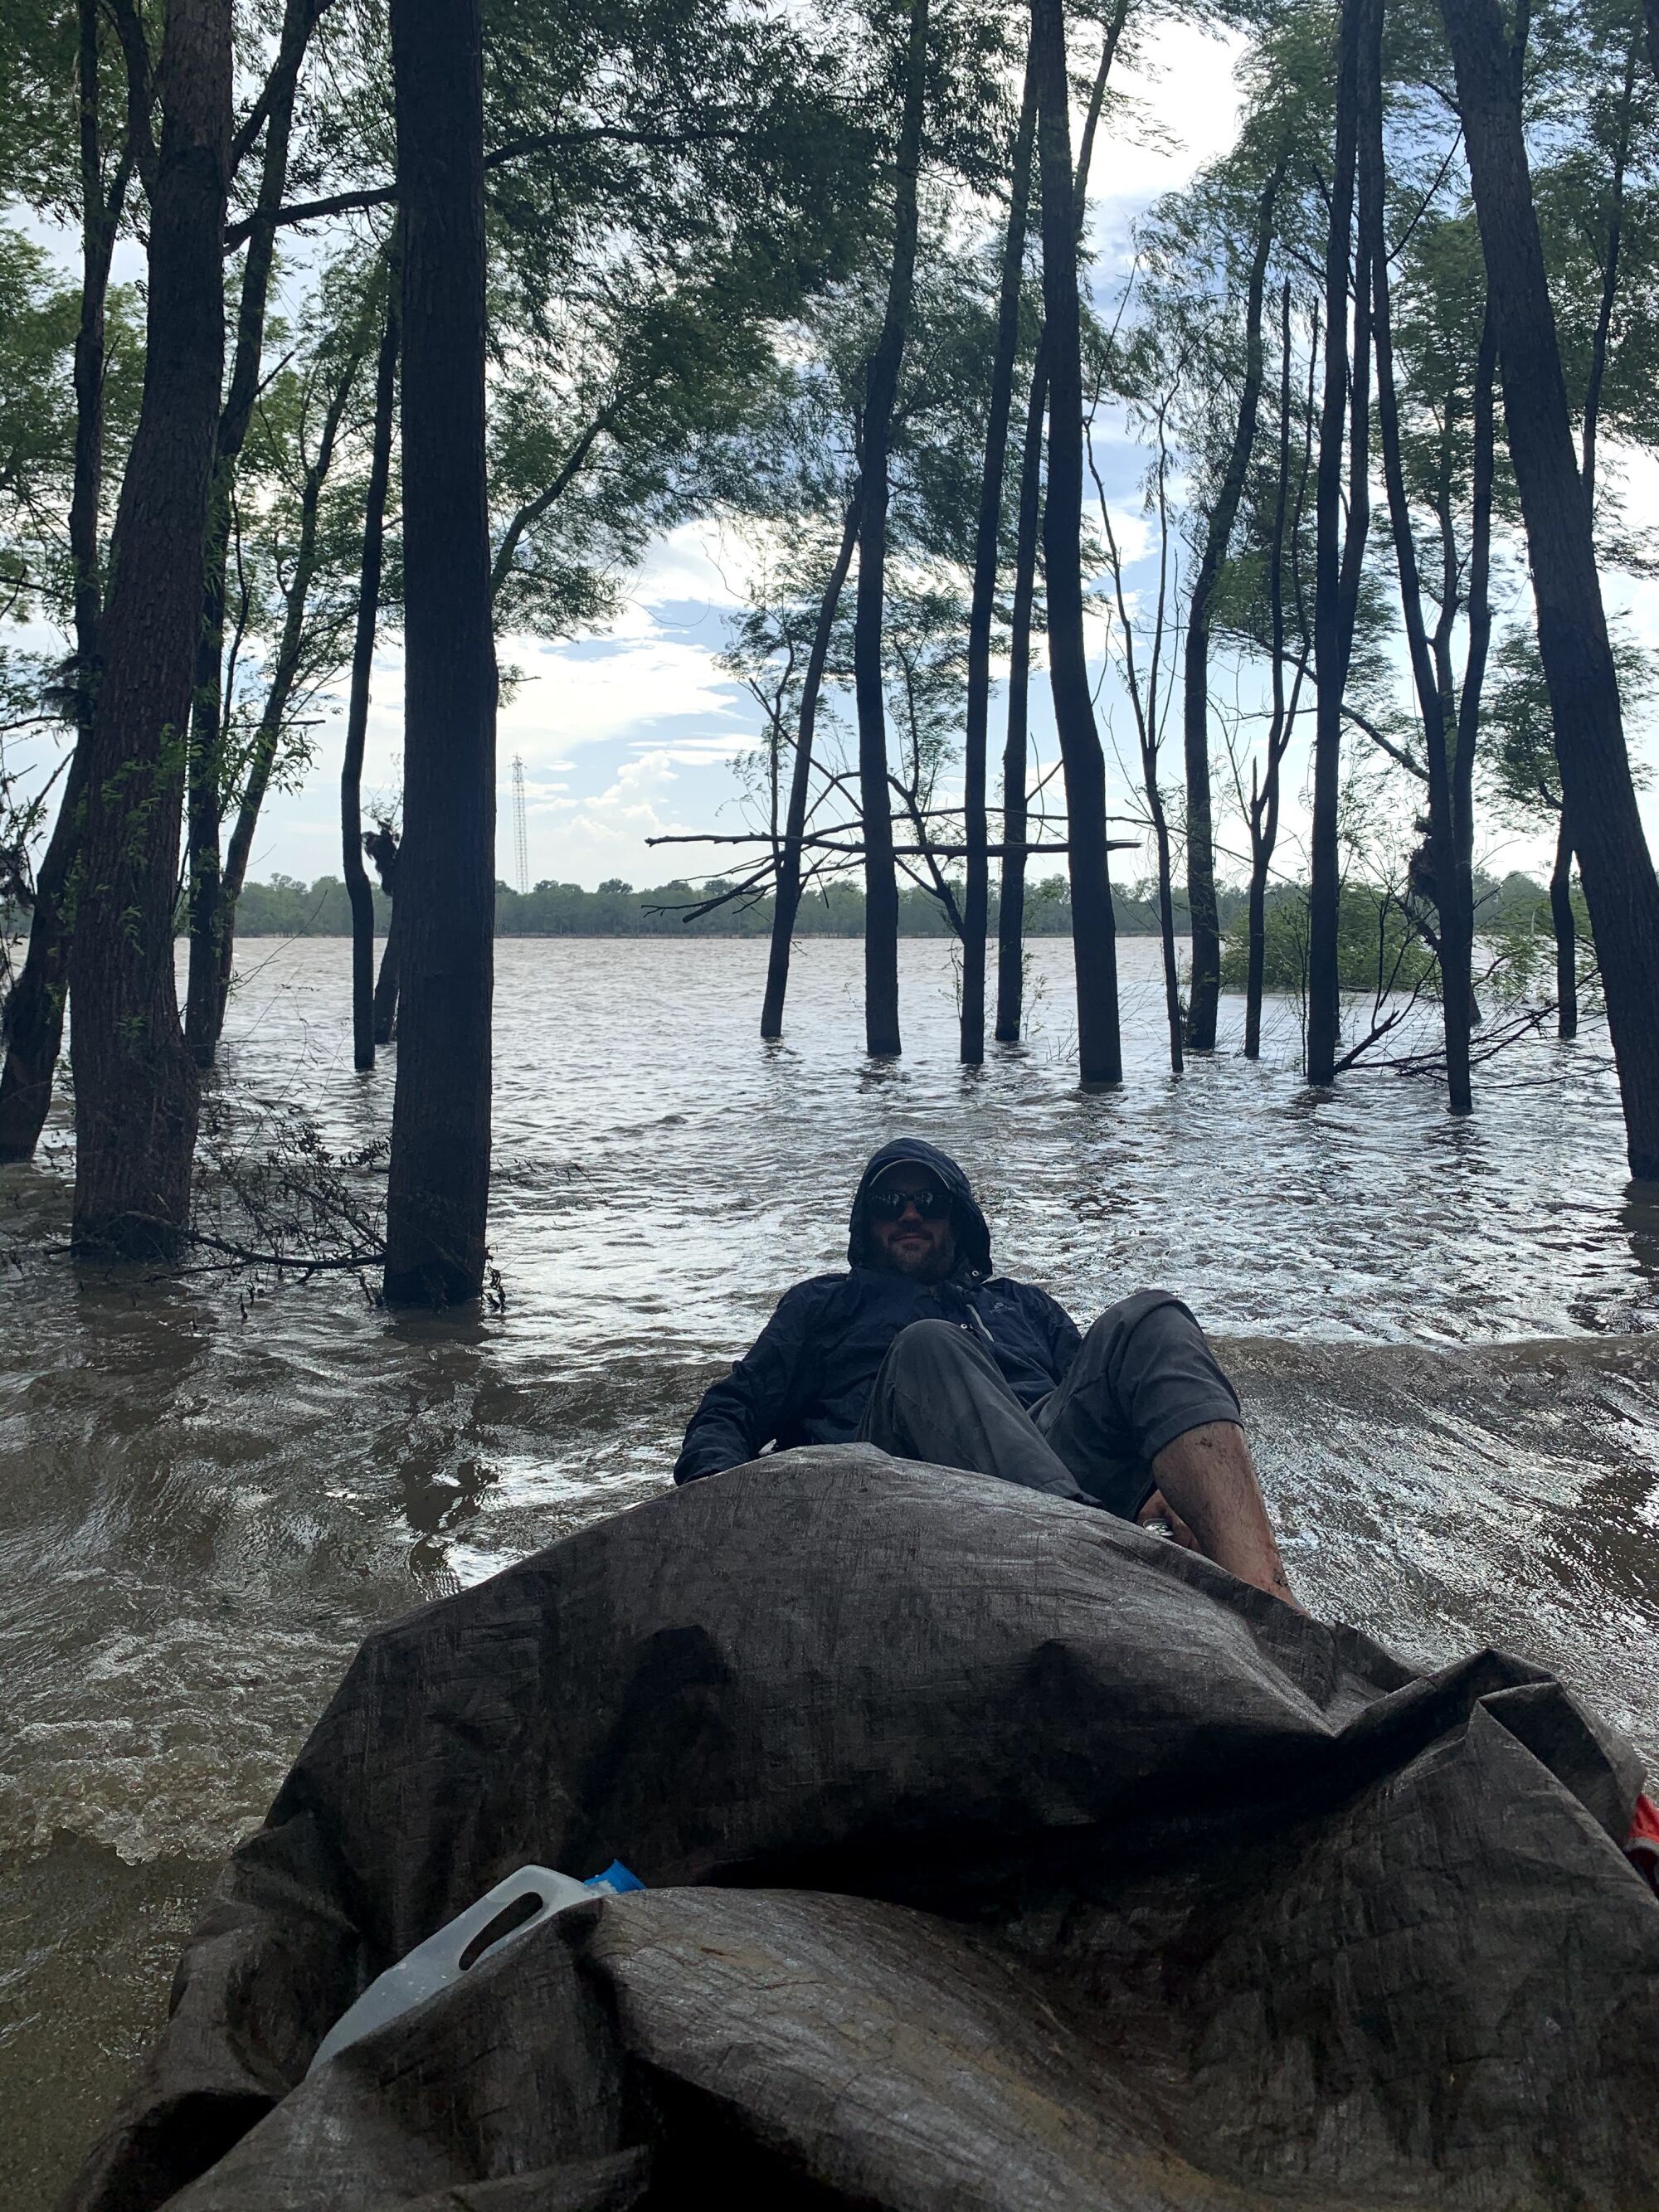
{"x":972,"y":1238}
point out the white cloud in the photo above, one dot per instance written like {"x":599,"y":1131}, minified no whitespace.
{"x":701,"y":752}
{"x":700,"y":563}
{"x":1187,"y":110}
{"x":572,"y":697}
{"x":606,"y":835}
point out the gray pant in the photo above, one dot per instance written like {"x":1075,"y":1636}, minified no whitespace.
{"x":1145,"y":1375}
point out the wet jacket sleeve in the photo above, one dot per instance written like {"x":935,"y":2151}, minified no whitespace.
{"x":748,"y":1408}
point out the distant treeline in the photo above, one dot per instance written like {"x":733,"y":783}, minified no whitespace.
{"x":287,"y":907}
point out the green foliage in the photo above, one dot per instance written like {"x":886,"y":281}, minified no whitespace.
{"x":39,"y":315}
{"x":1516,"y":944}
{"x":1378,"y":947}
{"x":1521,"y":775}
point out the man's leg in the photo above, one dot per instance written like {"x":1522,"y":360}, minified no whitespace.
{"x":940,"y":1396}
{"x":1146,"y":1416}
{"x":1208,"y":1477}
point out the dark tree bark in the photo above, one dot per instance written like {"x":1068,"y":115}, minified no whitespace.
{"x":202,"y":998}
{"x":385,"y":984}
{"x":787,"y":902}
{"x":363,"y":657}
{"x":976,"y":898}
{"x":1566,"y":947}
{"x":285,"y":672}
{"x":135,"y":1088}
{"x":1453,"y":893}
{"x":1614,"y":863}
{"x":1093,"y":938}
{"x":1262,"y":812}
{"x":437,"y":1185}
{"x":1482,"y":474}
{"x":1340,"y":552}
{"x":1566,"y":936}
{"x":34,"y":1025}
{"x":1205,"y":991}
{"x":1149,"y":721}
{"x":881,"y":1015}
{"x":381,"y":846}
{"x":1010,"y":905}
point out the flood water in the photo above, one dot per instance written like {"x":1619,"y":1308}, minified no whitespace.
{"x":1447,"y":1337}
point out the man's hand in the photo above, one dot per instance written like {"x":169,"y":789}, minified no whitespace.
{"x":1159,"y":1516}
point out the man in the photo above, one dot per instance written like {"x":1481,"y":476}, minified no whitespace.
{"x":921,"y":1350}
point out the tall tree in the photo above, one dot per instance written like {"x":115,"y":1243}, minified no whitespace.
{"x":1616,"y":869}
{"x":881,"y":1004}
{"x":1010,"y":904}
{"x":1453,"y":888}
{"x":1093,"y":938}
{"x":1146,"y":686}
{"x":33,"y":1026}
{"x":307,"y":645}
{"x":1205,"y":991}
{"x":205,"y":766}
{"x":1281,"y":524}
{"x":787,"y":893}
{"x":135,"y":1088}
{"x":1340,"y":540}
{"x":439,"y":1179}
{"x":986,"y":544}
{"x":363,"y":657}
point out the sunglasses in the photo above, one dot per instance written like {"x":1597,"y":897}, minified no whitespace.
{"x":930,"y":1203}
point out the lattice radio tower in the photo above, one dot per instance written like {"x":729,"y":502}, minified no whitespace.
{"x":520,"y":836}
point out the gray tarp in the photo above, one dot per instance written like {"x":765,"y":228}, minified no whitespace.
{"x":998,"y":1854}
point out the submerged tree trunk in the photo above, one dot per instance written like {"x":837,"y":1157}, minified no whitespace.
{"x":363,"y":657}
{"x":1566,"y":936}
{"x":787,"y":902}
{"x":437,"y":1185}
{"x":34,"y":1023}
{"x":976,"y":898}
{"x":1452,"y":891}
{"x":881,"y":1016}
{"x":206,"y":765}
{"x":1566,"y":947}
{"x":385,"y":986}
{"x":1263,"y":811}
{"x":1010,"y":904}
{"x":1166,"y":920}
{"x":1341,"y":552}
{"x":284,"y":674}
{"x":1615,"y":863}
{"x":1093,"y":940}
{"x":135,"y":1088}
{"x":381,"y":847}
{"x":1205,"y":991}
{"x":1482,"y":477}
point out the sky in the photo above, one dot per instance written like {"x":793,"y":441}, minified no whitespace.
{"x":630,"y":736}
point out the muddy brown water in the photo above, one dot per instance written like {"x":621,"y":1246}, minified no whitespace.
{"x":1447,"y":1337}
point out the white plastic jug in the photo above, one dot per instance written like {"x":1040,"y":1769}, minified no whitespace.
{"x":444,"y":1958}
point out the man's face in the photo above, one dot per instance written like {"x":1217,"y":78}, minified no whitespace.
{"x":909,"y":1219}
